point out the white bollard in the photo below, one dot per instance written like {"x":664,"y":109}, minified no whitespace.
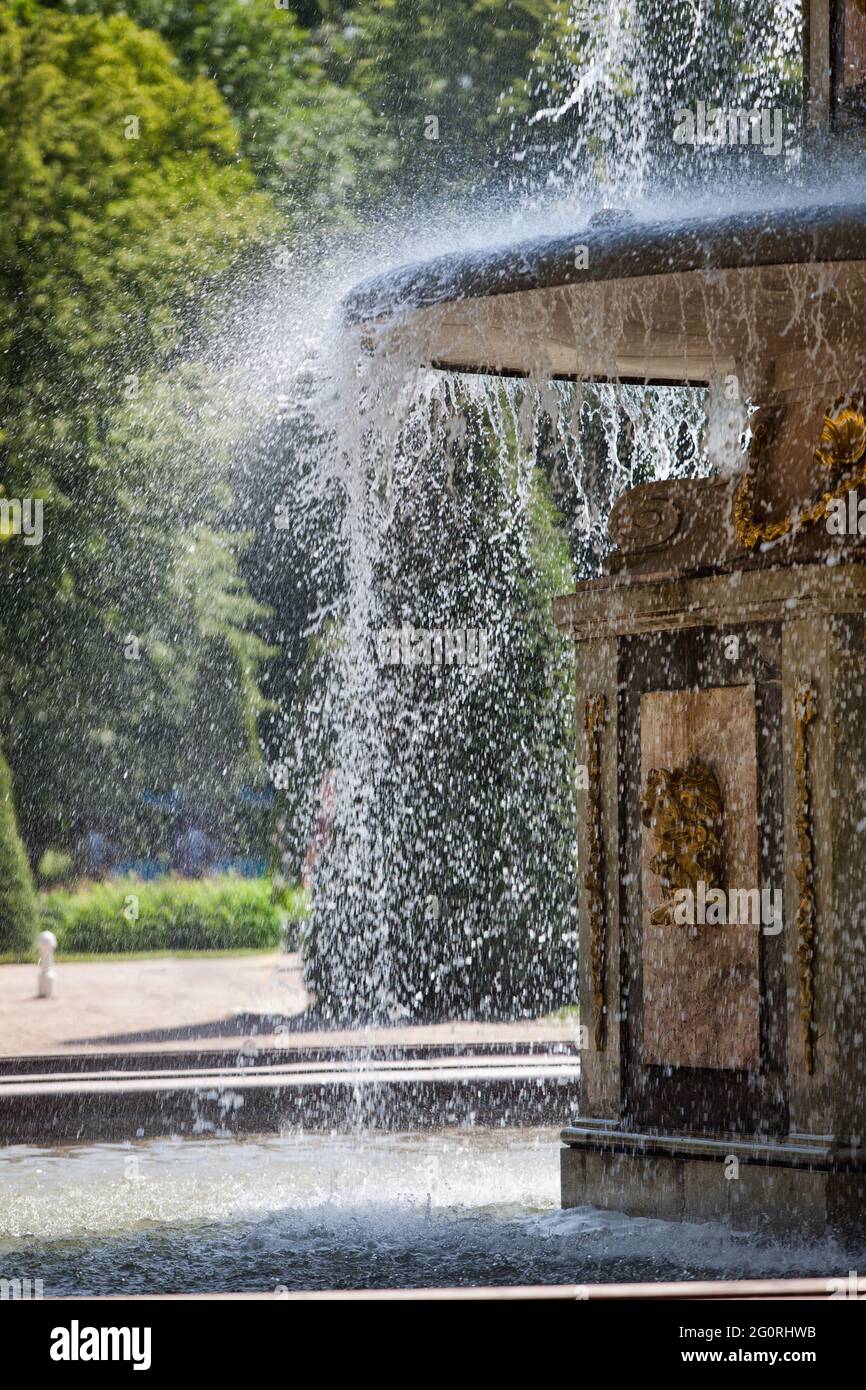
{"x":47,"y":943}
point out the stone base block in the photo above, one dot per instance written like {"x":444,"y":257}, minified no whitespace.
{"x":801,"y":1184}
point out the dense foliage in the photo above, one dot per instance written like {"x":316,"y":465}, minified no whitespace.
{"x":17,"y":901}
{"x":154,"y":151}
{"x":111,"y":629}
{"x":169,"y":915}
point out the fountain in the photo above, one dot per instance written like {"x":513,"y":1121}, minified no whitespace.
{"x":720,"y":668}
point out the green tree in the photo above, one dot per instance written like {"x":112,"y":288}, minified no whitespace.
{"x":158,"y":690}
{"x":124,"y":196}
{"x":17,"y":899}
{"x":127,"y":207}
{"x":314,"y":145}
{"x":413,"y":60}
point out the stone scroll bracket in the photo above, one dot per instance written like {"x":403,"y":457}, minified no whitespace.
{"x":595,"y":716}
{"x":805,"y":703}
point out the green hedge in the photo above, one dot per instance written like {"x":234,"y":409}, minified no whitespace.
{"x":171,"y":914}
{"x":17,"y":899}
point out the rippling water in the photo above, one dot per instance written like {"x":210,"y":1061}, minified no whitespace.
{"x":468,"y":1207}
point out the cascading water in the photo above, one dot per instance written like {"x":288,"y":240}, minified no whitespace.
{"x":446,"y":889}
{"x":603,"y":100}
{"x":431,"y":738}
{"x":330,"y":1212}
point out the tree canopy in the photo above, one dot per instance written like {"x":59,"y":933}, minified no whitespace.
{"x":125,"y":196}
{"x":154,"y":153}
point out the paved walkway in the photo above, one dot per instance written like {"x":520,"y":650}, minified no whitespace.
{"x":206,"y":1004}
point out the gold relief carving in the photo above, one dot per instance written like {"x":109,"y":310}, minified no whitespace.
{"x":804,"y":713}
{"x":842,"y":446}
{"x":683,"y":811}
{"x":843,"y":439}
{"x":701,"y":993}
{"x":593,"y":882}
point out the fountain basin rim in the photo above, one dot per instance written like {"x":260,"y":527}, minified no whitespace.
{"x":793,"y":1151}
{"x":801,"y":235}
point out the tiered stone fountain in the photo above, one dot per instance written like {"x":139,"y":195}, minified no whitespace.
{"x":721,"y":665}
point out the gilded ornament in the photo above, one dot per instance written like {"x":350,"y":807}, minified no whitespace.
{"x":683,"y":810}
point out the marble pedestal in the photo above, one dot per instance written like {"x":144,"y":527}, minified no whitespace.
{"x":724,"y":1067}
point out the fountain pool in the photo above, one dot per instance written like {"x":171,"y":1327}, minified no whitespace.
{"x":363,"y":1211}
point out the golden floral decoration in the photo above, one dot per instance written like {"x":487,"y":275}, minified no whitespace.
{"x":842,"y":446}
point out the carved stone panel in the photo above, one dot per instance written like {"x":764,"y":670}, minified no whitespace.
{"x":700,"y":980}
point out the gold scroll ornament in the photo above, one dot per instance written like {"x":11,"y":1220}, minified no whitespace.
{"x":842,"y":446}
{"x":594,"y":719}
{"x":683,"y":811}
{"x":804,"y":713}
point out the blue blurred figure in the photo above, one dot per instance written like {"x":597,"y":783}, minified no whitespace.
{"x":194,"y":851}
{"x":95,"y":855}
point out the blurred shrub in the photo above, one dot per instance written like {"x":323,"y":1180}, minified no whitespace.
{"x":291,"y":897}
{"x":293,"y":902}
{"x":172,"y":914}
{"x":54,"y":868}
